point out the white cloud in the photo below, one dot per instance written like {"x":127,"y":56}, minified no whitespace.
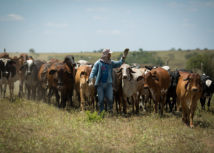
{"x":97,"y":9}
{"x":130,"y":25}
{"x":12,"y":17}
{"x":112,"y":32}
{"x":175,"y":4}
{"x":56,"y":24}
{"x":188,"y":25}
{"x":128,"y":11}
{"x":100,"y":18}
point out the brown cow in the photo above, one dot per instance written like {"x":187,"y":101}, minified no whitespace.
{"x":54,"y":60}
{"x":42,"y":78}
{"x":60,"y":79}
{"x":189,"y":91}
{"x":85,"y":90}
{"x":157,"y":81}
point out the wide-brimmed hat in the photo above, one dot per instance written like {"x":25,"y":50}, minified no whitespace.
{"x":104,"y":56}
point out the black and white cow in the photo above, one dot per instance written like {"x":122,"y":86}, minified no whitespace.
{"x":31,"y":69}
{"x":208,"y":89}
{"x":7,"y":75}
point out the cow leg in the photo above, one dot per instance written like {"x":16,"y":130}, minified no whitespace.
{"x":133,"y":103}
{"x":57,"y":96}
{"x":163,"y":99}
{"x":178,"y":104}
{"x":0,"y":90}
{"x":11,"y":87}
{"x":44,"y":91}
{"x":4,"y":90}
{"x":33,"y":93}
{"x":82,"y":100}
{"x":137,"y":103}
{"x":192,"y":111}
{"x":124,"y":100}
{"x":202,"y":101}
{"x":70,"y":98}
{"x":20,"y":88}
{"x":208,"y":103}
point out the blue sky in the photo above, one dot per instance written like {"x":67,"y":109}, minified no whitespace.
{"x":87,"y":25}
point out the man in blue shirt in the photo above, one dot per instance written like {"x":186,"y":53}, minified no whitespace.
{"x":102,"y":70}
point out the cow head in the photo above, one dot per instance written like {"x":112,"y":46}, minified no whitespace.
{"x":28,"y":65}
{"x":126,"y":72}
{"x":174,"y":78}
{"x":6,"y":66}
{"x":193,"y":82}
{"x":69,"y":60}
{"x":43,"y":74}
{"x":24,"y":57}
{"x":84,"y":78}
{"x":208,"y":85}
{"x":62,"y":73}
{"x":149,"y":78}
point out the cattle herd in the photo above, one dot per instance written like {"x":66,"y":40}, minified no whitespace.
{"x":177,"y":90}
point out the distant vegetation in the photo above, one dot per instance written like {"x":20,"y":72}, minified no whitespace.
{"x":187,"y":56}
{"x":206,"y":58}
{"x":143,"y":57}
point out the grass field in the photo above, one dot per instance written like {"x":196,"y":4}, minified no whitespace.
{"x":35,"y":126}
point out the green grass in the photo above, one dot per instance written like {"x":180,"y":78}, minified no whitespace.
{"x":34,"y":126}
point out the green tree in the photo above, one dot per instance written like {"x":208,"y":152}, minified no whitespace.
{"x":140,"y":49}
{"x":32,"y":50}
{"x":207,"y":59}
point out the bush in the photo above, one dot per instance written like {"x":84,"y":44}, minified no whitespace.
{"x":207,"y":59}
{"x":187,"y":56}
{"x":94,"y":117}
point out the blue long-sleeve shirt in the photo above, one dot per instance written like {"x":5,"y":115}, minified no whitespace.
{"x":97,"y":68}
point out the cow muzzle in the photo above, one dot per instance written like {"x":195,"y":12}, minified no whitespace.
{"x":146,"y":87}
{"x":28,"y":73}
{"x":6,"y":74}
{"x":194,"y":89}
{"x":125,"y":76}
{"x":60,"y":83}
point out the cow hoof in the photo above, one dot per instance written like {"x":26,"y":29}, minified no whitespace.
{"x":81,"y":112}
{"x":191,"y":127}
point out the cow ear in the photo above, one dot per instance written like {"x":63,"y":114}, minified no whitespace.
{"x":139,"y":78}
{"x":132,"y":71}
{"x":23,"y":66}
{"x":82,"y":73}
{"x":52,"y":72}
{"x":69,"y":75}
{"x":187,"y":78}
{"x":120,"y":70}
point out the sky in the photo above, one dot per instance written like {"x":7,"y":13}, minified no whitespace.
{"x":65,"y":26}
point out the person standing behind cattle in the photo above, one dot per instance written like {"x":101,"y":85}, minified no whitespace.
{"x":103,"y":70}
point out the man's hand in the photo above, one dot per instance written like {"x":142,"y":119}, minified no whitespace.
{"x":125,"y":53}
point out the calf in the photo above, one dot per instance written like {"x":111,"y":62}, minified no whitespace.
{"x":157,"y":81}
{"x":189,"y":90}
{"x":130,"y":86}
{"x":31,"y":69}
{"x":7,"y":75}
{"x":60,"y":79}
{"x":85,"y":89}
{"x":208,"y":89}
